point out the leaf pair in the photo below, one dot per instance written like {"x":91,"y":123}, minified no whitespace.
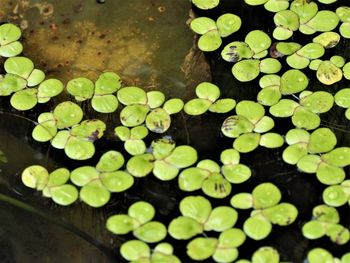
{"x":138,"y":221}
{"x":101,"y":92}
{"x":26,"y":84}
{"x":137,"y":251}
{"x":211,"y":32}
{"x":77,"y":142}
{"x":146,"y":107}
{"x":221,"y":249}
{"x":165,"y":161}
{"x":198,"y":216}
{"x":53,"y":185}
{"x":305,"y":114}
{"x":99,"y":182}
{"x":208,"y":99}
{"x":326,"y":222}
{"x":264,"y":200}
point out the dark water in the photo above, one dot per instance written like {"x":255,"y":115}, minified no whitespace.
{"x":57,"y":234}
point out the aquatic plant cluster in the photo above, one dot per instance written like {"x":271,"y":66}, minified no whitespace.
{"x":209,"y":232}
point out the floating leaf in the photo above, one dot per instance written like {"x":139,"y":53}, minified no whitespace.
{"x":67,"y":114}
{"x":94,"y":194}
{"x":151,"y":232}
{"x":35,"y":176}
{"x":140,"y":165}
{"x":228,"y":24}
{"x":196,"y":207}
{"x":133,"y":250}
{"x":201,"y":248}
{"x":328,"y":73}
{"x":257,"y":228}
{"x":184,"y":228}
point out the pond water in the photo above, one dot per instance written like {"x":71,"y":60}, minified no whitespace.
{"x":149,"y":44}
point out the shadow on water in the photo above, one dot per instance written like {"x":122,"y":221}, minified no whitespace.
{"x":26,"y":236}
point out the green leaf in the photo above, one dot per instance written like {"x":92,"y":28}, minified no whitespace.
{"x":118,"y":181}
{"x":257,"y":228}
{"x":335,"y":196}
{"x":164,"y":171}
{"x":314,"y":229}
{"x":24,"y":99}
{"x":236,"y":173}
{"x":20,"y":66}
{"x":142,"y":211}
{"x":120,"y":224}
{"x":236,"y":125}
{"x":222,"y":105}
{"x":201,"y":248}
{"x":107,"y":83}
{"x":338,"y":157}
{"x":247,"y":142}
{"x":110,"y":161}
{"x":35,"y":177}
{"x":233,"y":237}
{"x":342,"y":98}
{"x":208,"y":91}
{"x":81,"y":88}
{"x":132,"y":95}
{"x":258,"y":41}
{"x":216,"y":186}
{"x":155,"y":99}
{"x":322,"y":140}
{"x":133,"y":250}
{"x":83,"y":175}
{"x":303,"y":118}
{"x":228,"y":24}
{"x":266,"y":255}
{"x":58,"y":177}
{"x":89,"y":129}
{"x":191,"y":179}
{"x":197,"y":106}
{"x":184,"y":228}
{"x":133,"y":115}
{"x":309,"y":163}
{"x":319,"y":255}
{"x":79,"y":149}
{"x":236,"y":51}
{"x":49,"y":88}
{"x":162,"y":148}
{"x":221,"y":218}
{"x":328,"y":73}
{"x":202,"y":25}
{"x":151,"y":232}
{"x":196,"y":207}
{"x":64,"y":195}
{"x":282,"y":214}
{"x":182,"y":156}
{"x":242,"y":201}
{"x":293,"y":81}
{"x":104,"y":103}
{"x":329,"y":174}
{"x":158,"y":120}
{"x":94,"y":194}
{"x":37,"y":76}
{"x":67,"y":114}
{"x":11,"y":83}
{"x":173,"y":106}
{"x":251,"y":110}
{"x":246,"y":70}
{"x":206,"y":4}
{"x":266,"y":195}
{"x":140,"y":165}
{"x":9,"y":33}
{"x":210,"y":41}
{"x":271,"y":140}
